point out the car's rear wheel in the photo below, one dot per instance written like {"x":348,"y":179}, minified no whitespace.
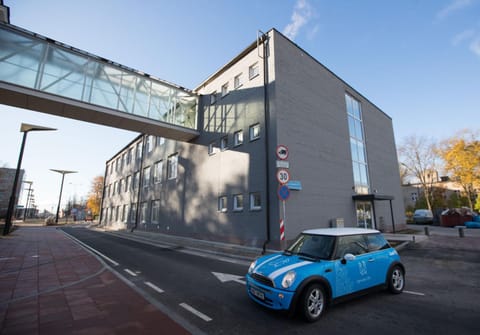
{"x":396,"y":280}
{"x":313,"y":302}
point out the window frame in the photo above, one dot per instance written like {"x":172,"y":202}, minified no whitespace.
{"x":253,"y":71}
{"x":222,"y":204}
{"x":172,"y":167}
{"x":236,"y":207}
{"x":252,"y":198}
{"x":251,"y":132}
{"x":238,"y":140}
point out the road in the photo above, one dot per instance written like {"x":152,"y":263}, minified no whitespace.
{"x":442,"y":293}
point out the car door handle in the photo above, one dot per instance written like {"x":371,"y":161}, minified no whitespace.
{"x":371,"y":260}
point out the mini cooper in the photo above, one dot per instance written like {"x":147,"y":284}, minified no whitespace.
{"x":323,"y":266}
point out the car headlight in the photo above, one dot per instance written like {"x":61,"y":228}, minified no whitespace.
{"x":252,"y":266}
{"x":288,"y":279}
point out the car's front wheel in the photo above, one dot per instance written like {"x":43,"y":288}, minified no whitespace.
{"x":396,"y":280}
{"x":313,"y":302}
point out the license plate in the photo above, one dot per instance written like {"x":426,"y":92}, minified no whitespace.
{"x":260,"y":295}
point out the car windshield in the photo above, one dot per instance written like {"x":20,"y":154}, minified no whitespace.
{"x":312,"y":246}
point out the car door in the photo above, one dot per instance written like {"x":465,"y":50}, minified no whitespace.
{"x":356,"y":274}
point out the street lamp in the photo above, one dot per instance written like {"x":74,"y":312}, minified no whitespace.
{"x":63,"y":172}
{"x":28,"y":198}
{"x":24,"y":128}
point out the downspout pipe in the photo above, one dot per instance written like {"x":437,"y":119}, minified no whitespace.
{"x":264,"y":40}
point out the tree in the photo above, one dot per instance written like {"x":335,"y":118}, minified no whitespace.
{"x":461,"y":155}
{"x":95,"y":196}
{"x":418,"y":156}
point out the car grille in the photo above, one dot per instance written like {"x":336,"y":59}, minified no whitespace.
{"x":262,"y":279}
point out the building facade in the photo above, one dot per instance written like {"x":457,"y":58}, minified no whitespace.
{"x":7,"y":177}
{"x":338,"y":152}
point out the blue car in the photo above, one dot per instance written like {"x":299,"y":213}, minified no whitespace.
{"x":322,"y":266}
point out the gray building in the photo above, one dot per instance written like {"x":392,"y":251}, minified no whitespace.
{"x":224,"y":185}
{"x":7,"y":177}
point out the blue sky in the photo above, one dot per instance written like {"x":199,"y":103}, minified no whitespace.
{"x":419,"y":61}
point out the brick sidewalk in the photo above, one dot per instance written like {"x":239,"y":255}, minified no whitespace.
{"x":51,"y":285}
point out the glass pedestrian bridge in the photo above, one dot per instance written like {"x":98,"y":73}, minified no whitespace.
{"x":44,"y":75}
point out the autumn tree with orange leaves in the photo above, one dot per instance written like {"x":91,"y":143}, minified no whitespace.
{"x":95,"y":196}
{"x":461,"y":155}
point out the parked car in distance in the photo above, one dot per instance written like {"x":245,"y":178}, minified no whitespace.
{"x":323,"y":266}
{"x":422,"y":216}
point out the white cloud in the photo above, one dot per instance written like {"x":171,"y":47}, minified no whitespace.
{"x":475,"y":46}
{"x":302,"y":13}
{"x":455,"y":5}
{"x":463,"y":36}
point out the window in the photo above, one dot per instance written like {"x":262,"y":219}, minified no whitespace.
{"x":213,"y":98}
{"x":172,"y":166}
{"x":125,"y":213}
{"x":357,"y":145}
{"x":254,"y":132}
{"x":211,"y":148}
{"x":255,"y":201}
{"x":222,"y":203}
{"x":149,"y":144}
{"x":117,"y":213}
{"x":124,"y":160}
{"x":143,"y":212}
{"x":238,"y":202}
{"x":128,"y":183}
{"x":120,"y":186}
{"x":224,"y":143}
{"x":160,"y":140}
{"x":114,"y":190}
{"x":238,"y":138}
{"x":237,"y":81}
{"x":146,"y":177}
{"x":138,"y":152}
{"x":224,"y":89}
{"x":133,"y":213}
{"x":136,"y":180}
{"x":253,"y":71}
{"x":157,"y":172}
{"x":129,"y":155}
{"x":155,"y":211}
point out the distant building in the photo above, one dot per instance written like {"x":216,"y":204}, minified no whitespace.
{"x":7,"y":177}
{"x":272,"y":107}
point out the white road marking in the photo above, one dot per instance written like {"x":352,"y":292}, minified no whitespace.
{"x":195,"y":312}
{"x":154,"y":287}
{"x":91,"y":249}
{"x":414,"y":293}
{"x":130,"y":272}
{"x":225,"y":277}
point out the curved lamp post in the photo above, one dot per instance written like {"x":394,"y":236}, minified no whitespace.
{"x":63,"y":172}
{"x":24,"y":128}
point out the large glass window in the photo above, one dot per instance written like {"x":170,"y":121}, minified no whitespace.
{"x":146,"y":176}
{"x":172,"y":167}
{"x":357,"y":145}
{"x":155,"y":211}
{"x":157,"y":172}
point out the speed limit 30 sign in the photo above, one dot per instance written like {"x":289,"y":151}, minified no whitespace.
{"x":283,"y":176}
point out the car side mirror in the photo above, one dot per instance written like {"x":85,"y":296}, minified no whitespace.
{"x":348,"y":257}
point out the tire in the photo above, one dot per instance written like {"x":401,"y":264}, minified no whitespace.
{"x":313,"y":302}
{"x":396,"y":280}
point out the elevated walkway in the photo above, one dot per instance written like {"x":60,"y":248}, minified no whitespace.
{"x":44,"y":75}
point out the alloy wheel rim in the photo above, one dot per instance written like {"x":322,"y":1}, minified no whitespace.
{"x":315,"y":303}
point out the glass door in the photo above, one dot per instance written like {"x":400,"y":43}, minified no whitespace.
{"x":365,"y":215}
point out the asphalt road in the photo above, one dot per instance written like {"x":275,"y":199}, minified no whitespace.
{"x":442,"y":293}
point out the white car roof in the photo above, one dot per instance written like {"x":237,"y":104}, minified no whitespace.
{"x":340,"y":231}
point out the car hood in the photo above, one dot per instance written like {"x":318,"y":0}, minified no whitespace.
{"x":274,"y":266}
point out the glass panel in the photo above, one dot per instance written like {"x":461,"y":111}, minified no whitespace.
{"x":30,"y":61}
